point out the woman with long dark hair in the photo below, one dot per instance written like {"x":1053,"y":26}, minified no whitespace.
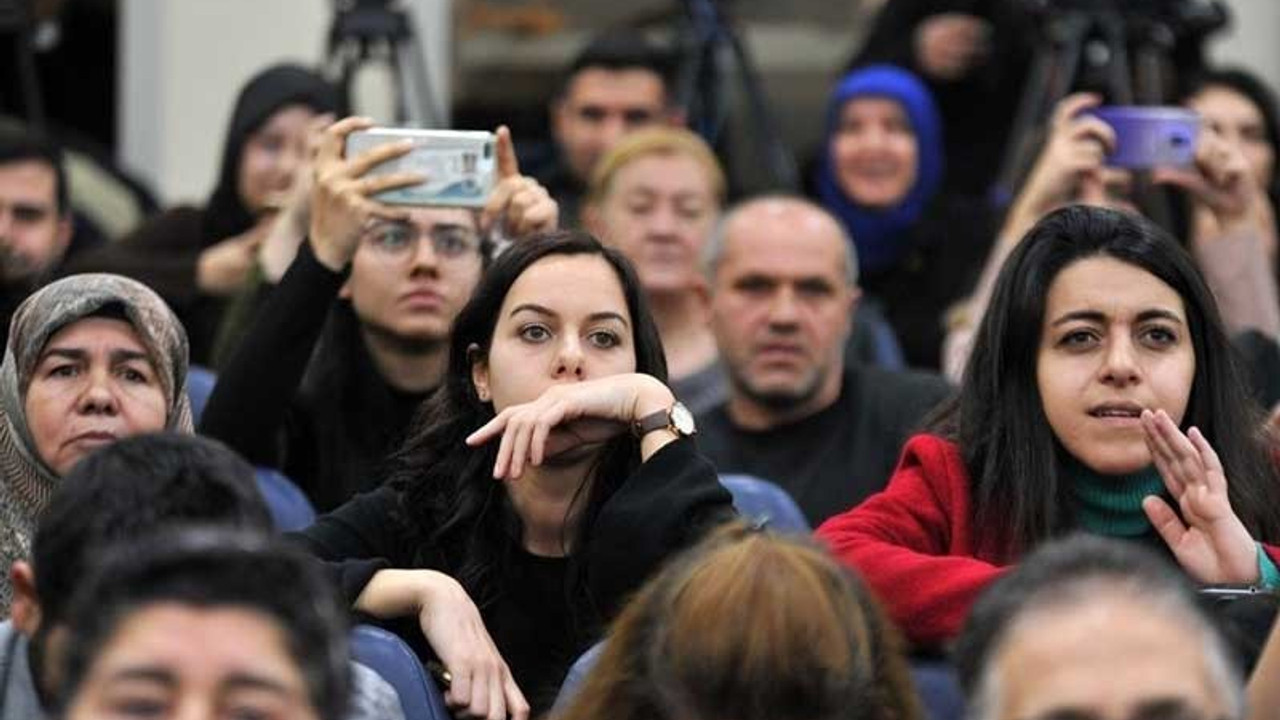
{"x":544,"y":481}
{"x":1102,"y":394}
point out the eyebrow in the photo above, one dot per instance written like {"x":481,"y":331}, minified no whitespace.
{"x":116,"y":356}
{"x":151,"y":674}
{"x":1159,"y":708}
{"x":243,"y":680}
{"x":1095,"y":316}
{"x":234,"y":681}
{"x":541,"y":310}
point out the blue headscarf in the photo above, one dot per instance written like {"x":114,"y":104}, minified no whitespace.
{"x":878,"y":235}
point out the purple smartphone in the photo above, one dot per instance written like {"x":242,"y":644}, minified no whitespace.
{"x":1151,"y":136}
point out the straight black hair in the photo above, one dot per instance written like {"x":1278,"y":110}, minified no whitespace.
{"x":998,"y":420}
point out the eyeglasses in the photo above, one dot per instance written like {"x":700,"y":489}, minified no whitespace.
{"x":398,"y":240}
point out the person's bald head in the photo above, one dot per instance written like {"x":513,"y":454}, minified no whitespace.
{"x":780,"y":217}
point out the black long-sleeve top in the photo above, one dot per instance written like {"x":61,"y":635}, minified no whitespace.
{"x":539,"y":624}
{"x":302,"y":395}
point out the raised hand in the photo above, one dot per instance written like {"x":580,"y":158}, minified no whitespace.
{"x":521,"y":204}
{"x":569,"y":415}
{"x":1208,"y":540}
{"x":340,"y":204}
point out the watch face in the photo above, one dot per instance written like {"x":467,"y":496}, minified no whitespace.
{"x":682,"y":419}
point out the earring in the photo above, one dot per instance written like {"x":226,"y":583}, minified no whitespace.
{"x":483,"y":394}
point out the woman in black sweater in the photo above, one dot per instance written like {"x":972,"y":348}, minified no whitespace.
{"x":544,"y":481}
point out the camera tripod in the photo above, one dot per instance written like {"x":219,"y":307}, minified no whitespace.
{"x":364,"y":30}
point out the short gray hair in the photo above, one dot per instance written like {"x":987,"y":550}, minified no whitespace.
{"x":713,"y":251}
{"x":1072,"y":573}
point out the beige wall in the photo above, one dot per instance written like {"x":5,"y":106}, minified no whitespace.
{"x":184,"y":61}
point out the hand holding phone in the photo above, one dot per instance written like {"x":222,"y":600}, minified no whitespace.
{"x":460,"y":166}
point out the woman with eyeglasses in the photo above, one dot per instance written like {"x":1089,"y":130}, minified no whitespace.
{"x":356,"y":334}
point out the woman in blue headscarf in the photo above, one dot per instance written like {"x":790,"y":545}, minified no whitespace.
{"x":880,"y":174}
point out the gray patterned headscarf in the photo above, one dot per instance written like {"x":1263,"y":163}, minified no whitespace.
{"x":26,"y":480}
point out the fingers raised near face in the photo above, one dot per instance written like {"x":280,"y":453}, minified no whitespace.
{"x":334,"y":139}
{"x":508,"y":165}
{"x":374,"y":156}
{"x":1073,"y":105}
{"x":1163,"y":455}
{"x":1164,"y":520}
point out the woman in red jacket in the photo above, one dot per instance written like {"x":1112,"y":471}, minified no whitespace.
{"x":1102,"y":395}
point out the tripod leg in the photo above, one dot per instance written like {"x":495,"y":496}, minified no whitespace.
{"x":414,"y":82}
{"x":1052,"y":72}
{"x":781,"y":164}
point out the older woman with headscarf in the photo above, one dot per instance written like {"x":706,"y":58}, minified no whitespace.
{"x":90,"y":359}
{"x":880,"y":173}
{"x":199,"y":257}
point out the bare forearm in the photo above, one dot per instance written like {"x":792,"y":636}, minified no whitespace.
{"x":398,"y":593}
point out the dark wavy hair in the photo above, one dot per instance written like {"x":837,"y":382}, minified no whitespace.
{"x":463,"y":519}
{"x":997,"y":418}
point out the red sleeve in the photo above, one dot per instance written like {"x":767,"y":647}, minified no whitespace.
{"x":912,"y":544}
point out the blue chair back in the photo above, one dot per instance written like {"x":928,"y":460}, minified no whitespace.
{"x":939,"y":689}
{"x":575,"y":677}
{"x":763,"y":501}
{"x":200,"y":382}
{"x":391,"y":658}
{"x":289,"y":506}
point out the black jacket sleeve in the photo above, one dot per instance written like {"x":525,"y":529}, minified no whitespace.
{"x":358,"y":539}
{"x":666,"y":506}
{"x":250,"y":403}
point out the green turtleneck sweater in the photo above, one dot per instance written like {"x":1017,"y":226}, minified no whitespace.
{"x":1111,"y":505}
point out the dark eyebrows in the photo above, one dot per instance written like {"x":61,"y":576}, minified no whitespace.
{"x":1159,"y":708}
{"x":63,"y":352}
{"x":1095,"y":316}
{"x":248,"y":681}
{"x":117,"y":356}
{"x":145,"y":673}
{"x":548,"y":312}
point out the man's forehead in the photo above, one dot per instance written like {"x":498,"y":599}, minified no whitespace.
{"x":636,"y":86}
{"x":29,"y":181}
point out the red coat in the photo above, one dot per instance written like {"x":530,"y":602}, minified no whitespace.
{"x":914,"y":543}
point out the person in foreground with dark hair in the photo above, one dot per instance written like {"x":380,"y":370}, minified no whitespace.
{"x":123,"y":493}
{"x":1102,"y":395}
{"x":751,"y":626}
{"x":1091,"y":628}
{"x":621,"y":81}
{"x":205,"y":624}
{"x":548,"y":477}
